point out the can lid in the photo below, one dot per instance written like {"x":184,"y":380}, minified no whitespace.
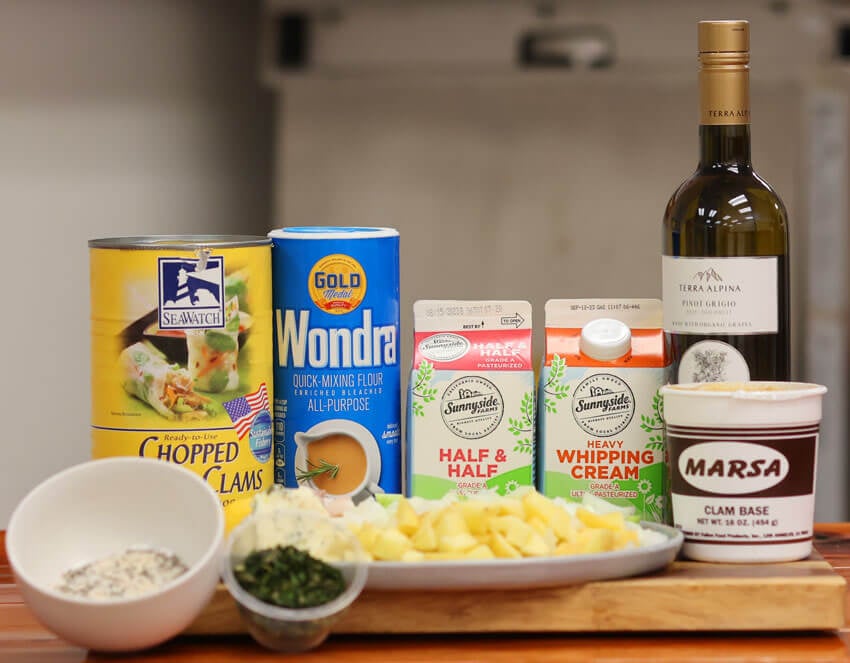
{"x":605,"y":339}
{"x":332,"y":232}
{"x":179,"y":242}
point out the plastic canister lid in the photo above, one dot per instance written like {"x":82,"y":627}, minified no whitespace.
{"x":605,"y":339}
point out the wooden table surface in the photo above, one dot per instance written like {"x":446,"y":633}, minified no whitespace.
{"x":23,"y":640}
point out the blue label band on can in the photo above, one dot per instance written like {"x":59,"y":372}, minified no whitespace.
{"x":336,"y":347}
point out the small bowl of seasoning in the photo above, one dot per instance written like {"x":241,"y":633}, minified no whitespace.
{"x":118,"y":554}
{"x":293,"y":574}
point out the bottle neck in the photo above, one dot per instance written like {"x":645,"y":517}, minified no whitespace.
{"x":724,"y":146}
{"x":724,"y":111}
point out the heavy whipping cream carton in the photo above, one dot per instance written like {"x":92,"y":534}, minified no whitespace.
{"x":470,"y":418}
{"x":601,"y":422}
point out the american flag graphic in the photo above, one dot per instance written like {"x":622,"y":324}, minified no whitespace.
{"x":243,"y":409}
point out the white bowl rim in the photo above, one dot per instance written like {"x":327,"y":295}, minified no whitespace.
{"x":191,"y":572}
{"x":279,"y":613}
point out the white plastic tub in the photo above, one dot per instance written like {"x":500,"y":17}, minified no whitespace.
{"x":743,"y":459}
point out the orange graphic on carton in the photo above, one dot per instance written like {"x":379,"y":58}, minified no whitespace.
{"x":648,"y":349}
{"x":337,"y":284}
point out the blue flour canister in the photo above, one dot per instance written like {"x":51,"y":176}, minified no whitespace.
{"x":337,"y":399}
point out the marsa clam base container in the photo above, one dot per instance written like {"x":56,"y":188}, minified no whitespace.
{"x":742,"y":461}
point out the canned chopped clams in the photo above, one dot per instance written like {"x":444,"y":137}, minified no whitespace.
{"x":182,"y":357}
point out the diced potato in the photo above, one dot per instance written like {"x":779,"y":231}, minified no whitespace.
{"x":515,"y":530}
{"x":407,"y":520}
{"x":562,"y":524}
{"x":625,"y":537}
{"x":535,"y":546}
{"x":537,"y":524}
{"x":390,"y":545}
{"x":476,"y":515}
{"x":367,"y":533}
{"x":613,"y":520}
{"x":502,"y":524}
{"x":501,"y":548}
{"x":523,"y":525}
{"x":509,"y":506}
{"x":550,"y":539}
{"x":457,"y":542}
{"x":437,"y":556}
{"x":425,"y":538}
{"x":450,"y":521}
{"x":412,"y":556}
{"x":569,"y":548}
{"x":595,"y":540}
{"x":480,"y":552}
{"x":540,"y":506}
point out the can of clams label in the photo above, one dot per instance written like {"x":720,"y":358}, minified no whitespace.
{"x":181,"y":357}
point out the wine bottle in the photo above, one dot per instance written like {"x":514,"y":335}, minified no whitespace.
{"x":725,"y":257}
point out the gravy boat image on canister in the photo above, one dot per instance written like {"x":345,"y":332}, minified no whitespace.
{"x":348,"y":454}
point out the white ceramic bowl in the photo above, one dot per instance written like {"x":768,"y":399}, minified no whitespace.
{"x":101,"y":508}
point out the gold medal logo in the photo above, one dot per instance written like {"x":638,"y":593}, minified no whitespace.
{"x":337,"y":284}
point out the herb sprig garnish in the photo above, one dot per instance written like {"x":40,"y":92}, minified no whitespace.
{"x":324,"y":467}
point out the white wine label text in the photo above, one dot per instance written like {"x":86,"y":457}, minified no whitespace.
{"x":720,"y":295}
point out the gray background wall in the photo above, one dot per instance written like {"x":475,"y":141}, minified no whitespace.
{"x":116,"y":118}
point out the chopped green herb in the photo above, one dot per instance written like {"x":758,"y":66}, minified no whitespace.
{"x":289,"y":577}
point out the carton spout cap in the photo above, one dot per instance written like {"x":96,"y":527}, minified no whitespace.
{"x":605,"y":339}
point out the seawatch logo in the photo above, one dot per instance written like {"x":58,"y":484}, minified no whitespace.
{"x":191,"y":293}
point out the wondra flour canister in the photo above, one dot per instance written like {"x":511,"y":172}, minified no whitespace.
{"x":336,"y":325}
{"x":182,"y":357}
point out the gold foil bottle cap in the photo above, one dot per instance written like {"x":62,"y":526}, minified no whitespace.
{"x":724,"y":42}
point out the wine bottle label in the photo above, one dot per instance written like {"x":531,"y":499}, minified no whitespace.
{"x":720,"y":295}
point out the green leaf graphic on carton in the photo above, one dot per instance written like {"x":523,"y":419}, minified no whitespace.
{"x":422,"y":391}
{"x":654,"y":425}
{"x":554,"y":390}
{"x":524,"y":425}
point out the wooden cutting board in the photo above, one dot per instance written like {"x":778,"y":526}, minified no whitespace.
{"x":687,"y":596}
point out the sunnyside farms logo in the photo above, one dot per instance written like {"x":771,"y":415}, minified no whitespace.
{"x":472,"y":407}
{"x":337,"y":284}
{"x":603,"y":404}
